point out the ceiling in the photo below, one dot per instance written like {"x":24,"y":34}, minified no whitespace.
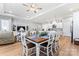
{"x":19,"y":10}
{"x":49,"y":11}
{"x":63,"y":11}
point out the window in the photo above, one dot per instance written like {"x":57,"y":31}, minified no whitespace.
{"x":5,"y":25}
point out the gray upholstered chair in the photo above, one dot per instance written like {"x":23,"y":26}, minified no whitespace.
{"x":6,"y":37}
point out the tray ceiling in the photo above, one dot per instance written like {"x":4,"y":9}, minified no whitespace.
{"x":48,"y":12}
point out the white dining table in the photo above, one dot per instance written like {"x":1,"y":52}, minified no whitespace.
{"x":37,"y":41}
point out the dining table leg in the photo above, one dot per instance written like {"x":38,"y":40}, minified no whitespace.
{"x":37,"y":49}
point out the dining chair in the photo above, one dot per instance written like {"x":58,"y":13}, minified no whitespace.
{"x":56,"y":43}
{"x":28,"y":49}
{"x":48,"y":45}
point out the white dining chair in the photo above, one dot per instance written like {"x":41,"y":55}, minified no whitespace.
{"x":48,"y":45}
{"x":28,"y":49}
{"x":56,"y":43}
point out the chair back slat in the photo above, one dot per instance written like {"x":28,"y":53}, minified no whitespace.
{"x":23,"y":40}
{"x":57,"y":37}
{"x":52,"y":35}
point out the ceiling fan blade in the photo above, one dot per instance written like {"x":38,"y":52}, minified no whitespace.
{"x":39,"y":8}
{"x":24,"y":5}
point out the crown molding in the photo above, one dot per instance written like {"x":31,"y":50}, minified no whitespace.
{"x":48,"y":10}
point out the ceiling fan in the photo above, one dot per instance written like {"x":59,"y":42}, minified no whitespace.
{"x":32,"y":7}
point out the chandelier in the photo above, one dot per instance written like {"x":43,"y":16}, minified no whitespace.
{"x":32,"y":7}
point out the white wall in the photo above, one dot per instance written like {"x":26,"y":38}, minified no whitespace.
{"x":67,"y":26}
{"x":9,"y":25}
{"x":76,"y":25}
{"x":31,"y":25}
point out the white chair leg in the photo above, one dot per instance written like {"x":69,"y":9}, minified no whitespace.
{"x":26,"y":53}
{"x":23,"y":51}
{"x":51,"y":50}
{"x":47,"y":52}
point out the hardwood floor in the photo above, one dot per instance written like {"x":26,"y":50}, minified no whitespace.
{"x":66,"y":48}
{"x":10,"y":50}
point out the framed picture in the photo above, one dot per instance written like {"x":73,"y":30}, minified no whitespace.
{"x":18,"y":27}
